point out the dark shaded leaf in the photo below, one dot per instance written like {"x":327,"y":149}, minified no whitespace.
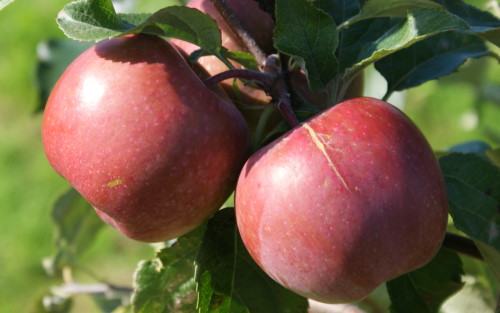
{"x":481,"y":22}
{"x":428,"y":59}
{"x":340,"y":10}
{"x":230,"y":281}
{"x":425,"y":289}
{"x":473,"y":187}
{"x":310,"y":35}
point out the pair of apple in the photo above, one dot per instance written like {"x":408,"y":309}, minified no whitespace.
{"x":347,"y":200}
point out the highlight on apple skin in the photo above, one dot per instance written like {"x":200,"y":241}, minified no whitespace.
{"x":345,"y":201}
{"x":144,"y":141}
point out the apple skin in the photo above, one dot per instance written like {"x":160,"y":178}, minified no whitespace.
{"x":345,"y":201}
{"x":144,"y":141}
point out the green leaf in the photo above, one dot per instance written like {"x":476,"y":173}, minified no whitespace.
{"x":340,"y":10}
{"x":4,"y":3}
{"x":54,"y":56}
{"x":245,"y":59}
{"x":230,"y":281}
{"x":481,"y":22}
{"x":428,"y":59}
{"x":419,"y":25}
{"x":89,"y":20}
{"x":166,"y":283}
{"x":491,"y":257}
{"x":310,"y":35}
{"x":390,"y":8}
{"x":473,"y":146}
{"x":50,"y":303}
{"x":77,"y":226}
{"x":186,"y":24}
{"x":425,"y":289}
{"x":473,"y":187}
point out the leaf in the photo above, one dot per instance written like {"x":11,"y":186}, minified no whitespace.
{"x":245,"y":59}
{"x":425,"y":289}
{"x":473,"y":187}
{"x":230,"y":281}
{"x":481,"y":22}
{"x":89,"y":20}
{"x":77,"y":226}
{"x":310,"y":35}
{"x":491,"y":257}
{"x":390,"y":8}
{"x":340,"y":10}
{"x":428,"y":59}
{"x":95,"y":20}
{"x":166,"y":283}
{"x":50,"y":303}
{"x":419,"y":25}
{"x":474,"y":146}
{"x":54,"y":56}
{"x":184,"y":23}
{"x":4,"y":3}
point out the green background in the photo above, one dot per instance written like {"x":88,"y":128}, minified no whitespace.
{"x":461,"y":107}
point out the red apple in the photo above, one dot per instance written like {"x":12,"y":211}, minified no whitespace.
{"x":343,"y":202}
{"x":139,"y":135}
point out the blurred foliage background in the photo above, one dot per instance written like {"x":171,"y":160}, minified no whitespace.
{"x":458,"y":108}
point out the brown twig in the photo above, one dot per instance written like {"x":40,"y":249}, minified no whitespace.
{"x":272,"y":82}
{"x":239,"y":30}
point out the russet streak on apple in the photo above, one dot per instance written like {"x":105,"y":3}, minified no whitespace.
{"x":333,"y":243}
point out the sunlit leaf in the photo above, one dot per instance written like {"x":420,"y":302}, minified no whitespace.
{"x":391,"y":8}
{"x":419,"y":25}
{"x":428,"y":59}
{"x":4,"y":3}
{"x":91,"y":20}
{"x":166,"y":283}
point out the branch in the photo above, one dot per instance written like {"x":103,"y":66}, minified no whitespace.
{"x":239,"y":30}
{"x":272,"y":82}
{"x":462,"y":245}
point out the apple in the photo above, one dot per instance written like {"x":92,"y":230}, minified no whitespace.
{"x":144,"y":141}
{"x":343,"y":202}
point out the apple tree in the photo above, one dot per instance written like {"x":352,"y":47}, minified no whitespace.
{"x":237,"y":137}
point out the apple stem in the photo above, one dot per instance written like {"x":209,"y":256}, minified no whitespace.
{"x":248,"y":42}
{"x":265,"y":80}
{"x":462,"y":245}
{"x":271,"y":81}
